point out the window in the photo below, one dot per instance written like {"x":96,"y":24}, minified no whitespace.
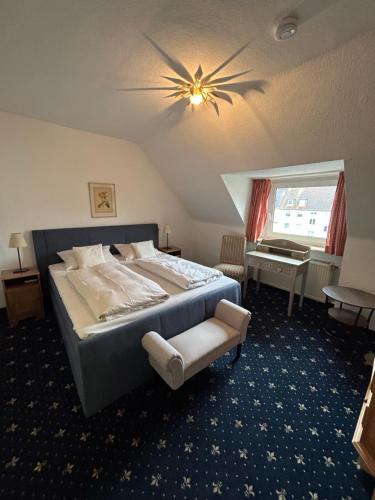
{"x":300,"y":209}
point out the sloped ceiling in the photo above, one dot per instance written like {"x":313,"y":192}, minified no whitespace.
{"x":62,"y":61}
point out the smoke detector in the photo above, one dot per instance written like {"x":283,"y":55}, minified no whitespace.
{"x":287,"y":28}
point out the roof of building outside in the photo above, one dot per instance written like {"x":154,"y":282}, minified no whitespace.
{"x":318,"y":198}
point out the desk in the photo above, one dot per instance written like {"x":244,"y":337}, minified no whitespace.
{"x":282,"y":265}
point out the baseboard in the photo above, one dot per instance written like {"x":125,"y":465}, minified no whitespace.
{"x":286,"y":288}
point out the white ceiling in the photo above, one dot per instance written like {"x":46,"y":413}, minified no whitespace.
{"x":61,"y":61}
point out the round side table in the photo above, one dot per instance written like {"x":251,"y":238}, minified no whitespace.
{"x":351,"y":297}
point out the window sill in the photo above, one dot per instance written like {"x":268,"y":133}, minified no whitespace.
{"x":317,"y":249}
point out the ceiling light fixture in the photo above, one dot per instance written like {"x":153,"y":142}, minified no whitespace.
{"x":199,"y":89}
{"x":286,"y":29}
{"x":202,"y":89}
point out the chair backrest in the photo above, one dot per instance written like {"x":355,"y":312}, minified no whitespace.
{"x":233,"y":249}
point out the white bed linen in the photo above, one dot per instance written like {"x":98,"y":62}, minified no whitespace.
{"x":184,"y":273}
{"x":84,"y":322}
{"x":112,"y":289}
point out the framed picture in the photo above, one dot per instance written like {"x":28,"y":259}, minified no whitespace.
{"x":102,"y":199}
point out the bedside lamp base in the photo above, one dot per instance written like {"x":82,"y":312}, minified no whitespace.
{"x":17,"y":271}
{"x":167,"y":231}
{"x":20,"y":269}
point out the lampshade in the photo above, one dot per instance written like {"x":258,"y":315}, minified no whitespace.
{"x":167,"y":229}
{"x":17,"y":240}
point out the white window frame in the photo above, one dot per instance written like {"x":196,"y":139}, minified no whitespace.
{"x":306,"y":181}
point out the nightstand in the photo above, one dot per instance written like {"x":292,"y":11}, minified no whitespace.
{"x":171,"y":251}
{"x":23,"y":295}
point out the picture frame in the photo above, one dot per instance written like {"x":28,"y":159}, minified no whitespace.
{"x":102,"y":199}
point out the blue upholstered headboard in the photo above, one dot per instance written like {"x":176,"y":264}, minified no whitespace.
{"x":47,"y":242}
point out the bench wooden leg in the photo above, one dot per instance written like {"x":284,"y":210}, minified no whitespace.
{"x":238,"y":353}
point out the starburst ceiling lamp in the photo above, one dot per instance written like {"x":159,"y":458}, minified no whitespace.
{"x":200,"y":89}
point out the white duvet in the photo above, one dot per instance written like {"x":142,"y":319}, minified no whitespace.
{"x":112,"y":290}
{"x":181,"y":272}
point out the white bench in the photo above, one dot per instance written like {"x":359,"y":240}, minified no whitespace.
{"x":182,"y":356}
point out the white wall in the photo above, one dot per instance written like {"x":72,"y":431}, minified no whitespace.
{"x":44,"y":171}
{"x":359,"y":257}
{"x":239,"y":187}
{"x":207,"y":240}
{"x":360,"y":264}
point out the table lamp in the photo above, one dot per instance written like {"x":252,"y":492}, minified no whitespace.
{"x":17,"y":240}
{"x":167,"y":230}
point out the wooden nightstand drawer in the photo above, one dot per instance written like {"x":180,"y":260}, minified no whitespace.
{"x":23,"y":295}
{"x":25,"y":299}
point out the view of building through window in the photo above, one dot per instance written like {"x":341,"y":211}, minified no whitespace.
{"x":303,"y":211}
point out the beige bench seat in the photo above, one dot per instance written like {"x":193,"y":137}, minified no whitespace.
{"x":181,"y":357}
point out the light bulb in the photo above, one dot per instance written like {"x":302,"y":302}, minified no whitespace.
{"x":196,"y":99}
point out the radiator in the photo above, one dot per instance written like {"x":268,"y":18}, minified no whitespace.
{"x":320,"y":274}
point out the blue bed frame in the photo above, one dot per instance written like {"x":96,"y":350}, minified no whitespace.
{"x":108,"y":365}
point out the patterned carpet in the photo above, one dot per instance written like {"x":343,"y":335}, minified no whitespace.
{"x":278,"y":424}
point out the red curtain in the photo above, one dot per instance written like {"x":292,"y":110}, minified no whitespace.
{"x":336,"y":236}
{"x":258,"y":208}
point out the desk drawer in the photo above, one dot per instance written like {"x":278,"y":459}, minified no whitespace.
{"x":266,"y":265}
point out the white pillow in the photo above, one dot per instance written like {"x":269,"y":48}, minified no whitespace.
{"x":69,"y":258}
{"x":108,"y":257}
{"x":71,"y":262}
{"x":89,"y":256}
{"x":126,"y":250}
{"x":144,"y":249}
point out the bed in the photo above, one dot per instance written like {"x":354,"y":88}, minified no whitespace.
{"x":109,"y":363}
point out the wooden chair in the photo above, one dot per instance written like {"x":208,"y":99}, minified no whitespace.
{"x":232,"y":258}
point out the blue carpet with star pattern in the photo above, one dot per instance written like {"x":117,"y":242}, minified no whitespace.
{"x":277,"y":424}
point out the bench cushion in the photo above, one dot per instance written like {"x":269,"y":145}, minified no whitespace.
{"x":201,"y":345}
